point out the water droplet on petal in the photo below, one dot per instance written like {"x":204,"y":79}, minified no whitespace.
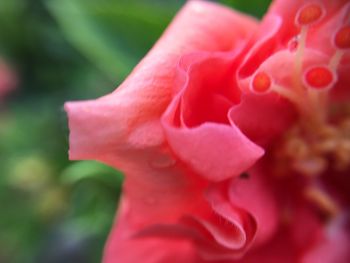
{"x":293,"y":43}
{"x":163,"y":161}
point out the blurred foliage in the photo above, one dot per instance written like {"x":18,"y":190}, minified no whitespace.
{"x":255,"y":8}
{"x":54,"y":210}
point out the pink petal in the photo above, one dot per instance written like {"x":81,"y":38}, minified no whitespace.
{"x":209,"y":87}
{"x":122,"y":247}
{"x":102,"y":127}
{"x":334,"y":248}
{"x":255,"y":196}
{"x":123,"y":129}
{"x":262,"y":45}
{"x":221,"y":151}
{"x":280,"y":249}
{"x":227,"y":230}
{"x":219,"y":230}
{"x":256,"y":117}
{"x":241,"y":214}
{"x":289,"y":243}
{"x":196,"y":122}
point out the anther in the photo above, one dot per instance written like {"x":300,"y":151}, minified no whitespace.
{"x":342,"y":38}
{"x":306,"y":16}
{"x":323,"y":201}
{"x":310,"y":166}
{"x":261,"y":83}
{"x":341,"y":42}
{"x":309,"y":14}
{"x":320,"y":78}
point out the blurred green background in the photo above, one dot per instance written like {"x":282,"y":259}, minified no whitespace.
{"x":52,"y":209}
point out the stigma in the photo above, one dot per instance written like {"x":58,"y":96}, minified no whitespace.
{"x":320,"y":140}
{"x":310,"y":85}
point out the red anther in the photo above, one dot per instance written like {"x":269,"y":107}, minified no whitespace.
{"x":309,"y":14}
{"x":319,"y":77}
{"x":261,"y":83}
{"x":342,"y":38}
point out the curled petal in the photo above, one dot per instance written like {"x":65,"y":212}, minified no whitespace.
{"x":280,"y":249}
{"x":256,"y":117}
{"x":218,"y":229}
{"x":100,"y":128}
{"x":233,"y":152}
{"x":237,"y":215}
{"x":122,"y":247}
{"x":255,"y":196}
{"x":123,"y":129}
{"x":263,"y":45}
{"x":196,"y":122}
{"x":209,"y":87}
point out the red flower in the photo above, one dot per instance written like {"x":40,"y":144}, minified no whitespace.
{"x":234,"y":138}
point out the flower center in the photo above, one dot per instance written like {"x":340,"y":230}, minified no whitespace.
{"x":311,"y":149}
{"x":320,"y":141}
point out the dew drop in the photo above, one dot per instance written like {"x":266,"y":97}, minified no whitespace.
{"x":162,"y":161}
{"x":293,"y":44}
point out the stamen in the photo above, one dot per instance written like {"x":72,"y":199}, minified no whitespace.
{"x":289,"y":95}
{"x":342,"y":154}
{"x":310,"y":166}
{"x":309,"y":14}
{"x":297,"y":148}
{"x":305,"y":17}
{"x":298,"y":59}
{"x":310,"y":150}
{"x":261,"y":83}
{"x":342,"y":38}
{"x":322,"y":200}
{"x":335,"y":60}
{"x":319,"y":78}
{"x":341,"y":41}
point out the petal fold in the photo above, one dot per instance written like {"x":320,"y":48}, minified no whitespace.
{"x":100,"y":128}
{"x":220,"y":151}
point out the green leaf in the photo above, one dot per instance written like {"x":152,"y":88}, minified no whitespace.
{"x":113,"y":35}
{"x":255,"y":8}
{"x":83,"y":170}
